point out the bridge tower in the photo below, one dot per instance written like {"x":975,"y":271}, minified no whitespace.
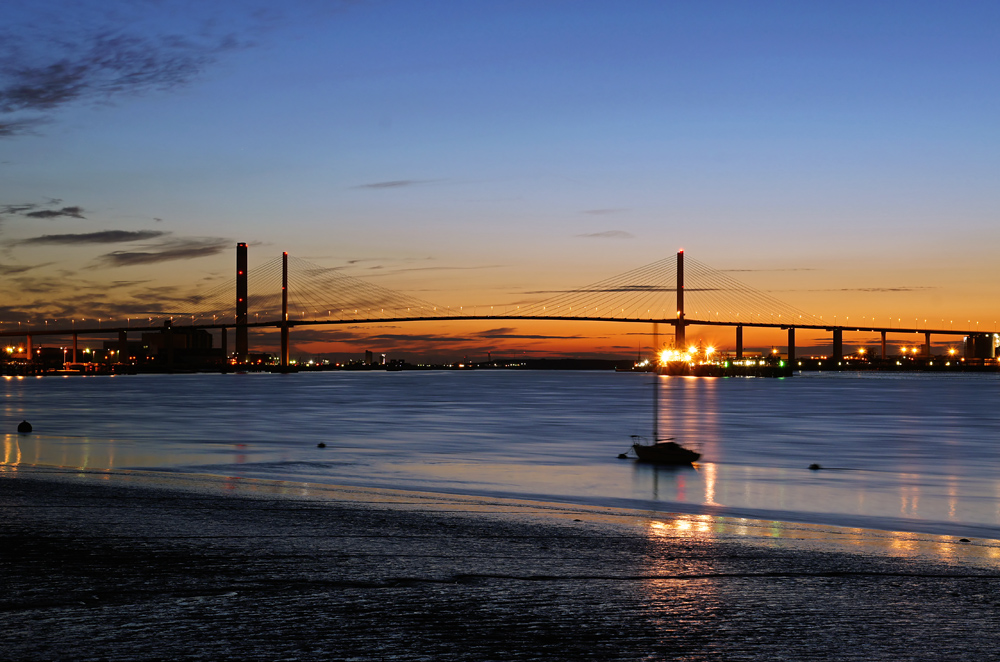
{"x":242,"y":344}
{"x":679,"y":339}
{"x":284,"y":309}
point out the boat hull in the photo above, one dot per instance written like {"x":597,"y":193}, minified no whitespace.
{"x":665,"y":452}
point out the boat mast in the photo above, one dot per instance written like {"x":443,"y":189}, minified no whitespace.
{"x":656,"y":406}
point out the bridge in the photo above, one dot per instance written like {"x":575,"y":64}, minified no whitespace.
{"x":286,"y":293}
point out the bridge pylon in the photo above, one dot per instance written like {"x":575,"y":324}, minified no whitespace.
{"x":284,"y":309}
{"x":242,"y":344}
{"x":679,"y":338}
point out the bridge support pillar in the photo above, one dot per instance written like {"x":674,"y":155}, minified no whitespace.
{"x":224,"y":343}
{"x":884,"y":357}
{"x":838,"y":344}
{"x":242,"y":343}
{"x":791,"y":344}
{"x":74,"y":348}
{"x":28,"y":354}
{"x":927,"y":344}
{"x":739,"y":343}
{"x":168,"y":342}
{"x":122,"y":346}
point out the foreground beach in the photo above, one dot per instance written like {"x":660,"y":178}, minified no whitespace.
{"x":129,"y":565}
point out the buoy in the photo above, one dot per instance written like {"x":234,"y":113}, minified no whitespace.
{"x":321,"y":445}
{"x":622,"y":456}
{"x":814,"y":467}
{"x":24,"y":426}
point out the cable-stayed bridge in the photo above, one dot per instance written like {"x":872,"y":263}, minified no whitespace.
{"x":289,"y":292}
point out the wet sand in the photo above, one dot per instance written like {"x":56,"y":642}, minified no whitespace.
{"x":116,"y":566}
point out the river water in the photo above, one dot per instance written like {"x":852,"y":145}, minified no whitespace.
{"x":902,"y":452}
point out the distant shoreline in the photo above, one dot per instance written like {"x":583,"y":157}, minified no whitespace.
{"x":938,"y":365}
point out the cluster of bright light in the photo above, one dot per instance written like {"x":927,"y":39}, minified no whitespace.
{"x":674,"y":356}
{"x":678,"y":356}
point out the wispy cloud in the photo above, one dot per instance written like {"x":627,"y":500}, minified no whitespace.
{"x":100,"y":52}
{"x":12,"y":210}
{"x":34,"y":210}
{"x":625,"y":288}
{"x":103,"y":237}
{"x":74,"y":212}
{"x":603,"y":212}
{"x":608,"y":234}
{"x":408,"y":269}
{"x":10,"y":128}
{"x":396,"y":183}
{"x":507,"y":333}
{"x":14,"y":269}
{"x":184,"y":249}
{"x":902,"y":288}
{"x":359,"y":260}
{"x":735,"y":271}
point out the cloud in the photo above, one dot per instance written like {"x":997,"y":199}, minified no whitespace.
{"x":388,"y":259}
{"x":33,"y":211}
{"x":99,"y":52}
{"x":622,"y":288}
{"x":509,"y":333}
{"x":103,"y":237}
{"x":11,"y":270}
{"x":602,"y":212}
{"x":11,"y":128}
{"x":186,"y":249}
{"x":902,"y":288}
{"x":396,"y":183}
{"x":608,"y":234}
{"x":915,"y":288}
{"x":13,"y":210}
{"x":734,"y":271}
{"x":365,"y":335}
{"x":408,"y":269}
{"x":74,"y":212}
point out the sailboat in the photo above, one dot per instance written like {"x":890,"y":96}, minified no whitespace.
{"x":661,"y":451}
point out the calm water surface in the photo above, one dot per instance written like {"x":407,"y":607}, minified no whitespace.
{"x":903,"y":452}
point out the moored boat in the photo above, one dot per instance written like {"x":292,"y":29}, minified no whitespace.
{"x":665,"y":452}
{"x":661,"y":451}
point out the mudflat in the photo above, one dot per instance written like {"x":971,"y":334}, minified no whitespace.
{"x":124,"y":566}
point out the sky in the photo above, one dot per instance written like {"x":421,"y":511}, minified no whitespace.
{"x":840,"y":156}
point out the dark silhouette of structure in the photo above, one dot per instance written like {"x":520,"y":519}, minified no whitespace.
{"x":326,"y":296}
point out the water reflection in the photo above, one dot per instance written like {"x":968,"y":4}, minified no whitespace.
{"x":550,"y":436}
{"x":11,"y":453}
{"x":705,"y":529}
{"x":664,"y":482}
{"x":708,"y":469}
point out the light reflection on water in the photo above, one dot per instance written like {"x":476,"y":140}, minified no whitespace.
{"x":907,"y":452}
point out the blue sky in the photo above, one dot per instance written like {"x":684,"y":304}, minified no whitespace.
{"x":506,"y":146}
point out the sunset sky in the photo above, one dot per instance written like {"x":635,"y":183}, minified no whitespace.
{"x":842,"y":156}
